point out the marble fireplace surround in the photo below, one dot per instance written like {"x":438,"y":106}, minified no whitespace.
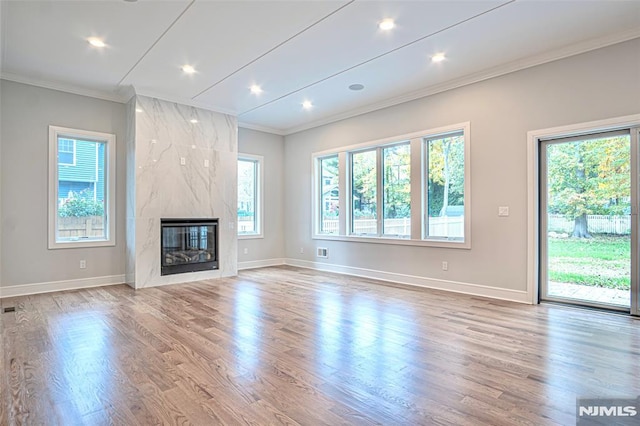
{"x":181,"y":163}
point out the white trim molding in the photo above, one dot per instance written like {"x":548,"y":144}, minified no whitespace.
{"x":258,"y":170}
{"x":64,"y":87}
{"x":109,"y":142}
{"x":48,"y":287}
{"x":413,"y":280}
{"x":253,"y":264}
{"x":533,"y":190}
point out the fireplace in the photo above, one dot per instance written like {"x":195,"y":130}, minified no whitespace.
{"x":188,"y":245}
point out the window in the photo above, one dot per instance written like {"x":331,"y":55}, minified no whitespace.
{"x":411,"y":190}
{"x":66,"y":152}
{"x":364,"y":196}
{"x":391,"y":178}
{"x":329,"y":195}
{"x":445,"y":179}
{"x":81,"y":188}
{"x":249,"y":196}
{"x":396,"y":163}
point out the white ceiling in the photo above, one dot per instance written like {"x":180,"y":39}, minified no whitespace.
{"x":295,"y":50}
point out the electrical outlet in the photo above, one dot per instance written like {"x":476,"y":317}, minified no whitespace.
{"x":206,"y":163}
{"x":445,"y":266}
{"x":245,"y":251}
{"x":301,"y":250}
{"x":83,"y":264}
{"x":183,"y":161}
{"x":503,"y":211}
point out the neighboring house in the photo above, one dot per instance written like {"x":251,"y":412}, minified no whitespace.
{"x":330,"y":194}
{"x":80,"y":170}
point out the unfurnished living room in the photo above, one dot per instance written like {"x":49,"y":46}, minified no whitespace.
{"x":319,"y":212}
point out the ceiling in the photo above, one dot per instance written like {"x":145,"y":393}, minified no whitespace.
{"x":294,"y":50}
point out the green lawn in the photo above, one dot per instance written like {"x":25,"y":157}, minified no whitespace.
{"x":601,"y":261}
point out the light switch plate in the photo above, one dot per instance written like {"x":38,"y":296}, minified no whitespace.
{"x":503,"y":211}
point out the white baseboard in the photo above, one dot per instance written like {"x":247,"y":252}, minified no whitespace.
{"x":454,"y":286}
{"x":438,"y":284}
{"x":260,"y":263}
{"x":26,"y":289}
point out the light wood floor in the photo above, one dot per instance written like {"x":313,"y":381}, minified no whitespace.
{"x":293,"y":346}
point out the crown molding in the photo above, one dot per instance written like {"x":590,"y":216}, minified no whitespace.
{"x":510,"y":67}
{"x":63,"y":87}
{"x":260,"y":128}
{"x":124,"y":93}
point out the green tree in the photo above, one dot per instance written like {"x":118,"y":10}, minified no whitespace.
{"x":446,"y":174}
{"x":588,"y":177}
{"x":364,"y":183}
{"x":397,"y":181}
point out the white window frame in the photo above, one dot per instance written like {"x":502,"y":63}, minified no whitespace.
{"x":467,"y":188}
{"x":73,"y":163}
{"x":56,"y":132}
{"x":418,"y":190}
{"x":259,"y":202}
{"x":317,"y":188}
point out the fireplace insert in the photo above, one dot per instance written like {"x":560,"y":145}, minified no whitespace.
{"x":188,"y":245}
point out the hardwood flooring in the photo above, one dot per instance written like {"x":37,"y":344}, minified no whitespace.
{"x":292,"y":346}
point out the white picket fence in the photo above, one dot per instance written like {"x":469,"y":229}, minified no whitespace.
{"x":438,"y":226}
{"x":597,"y":224}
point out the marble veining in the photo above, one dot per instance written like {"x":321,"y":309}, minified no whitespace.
{"x":165,"y":135}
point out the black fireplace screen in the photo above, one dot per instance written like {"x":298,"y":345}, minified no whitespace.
{"x":189,"y":245}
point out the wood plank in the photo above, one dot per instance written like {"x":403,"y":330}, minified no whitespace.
{"x":284,"y":345}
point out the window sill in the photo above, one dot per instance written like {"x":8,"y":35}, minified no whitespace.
{"x":396,"y":241}
{"x":81,"y":244}
{"x":250,"y":236}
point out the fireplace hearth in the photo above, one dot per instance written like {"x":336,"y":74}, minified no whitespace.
{"x":188,"y":245}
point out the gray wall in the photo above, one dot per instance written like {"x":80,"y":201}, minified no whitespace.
{"x":596,"y":85}
{"x":271,"y":147}
{"x":27,"y":111}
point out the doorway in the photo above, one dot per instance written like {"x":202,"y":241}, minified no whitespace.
{"x":588,"y":219}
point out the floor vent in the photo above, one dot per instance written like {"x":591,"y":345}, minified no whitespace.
{"x":10,"y":309}
{"x":322,"y":252}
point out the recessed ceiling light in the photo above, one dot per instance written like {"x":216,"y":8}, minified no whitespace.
{"x":96,"y":42}
{"x":438,"y":57}
{"x":188,"y":69}
{"x":386,"y":24}
{"x":255,"y":89}
{"x":193,"y":120}
{"x":307,"y":105}
{"x":356,"y":87}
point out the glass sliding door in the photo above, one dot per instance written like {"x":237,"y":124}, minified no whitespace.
{"x":586,"y":203}
{"x":635,"y":229}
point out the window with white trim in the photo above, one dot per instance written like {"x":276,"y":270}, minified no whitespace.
{"x":250,"y":196}
{"x":381,"y":191}
{"x":411,"y":189}
{"x":329,"y":193}
{"x":445,"y":189}
{"x":81,"y":188}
